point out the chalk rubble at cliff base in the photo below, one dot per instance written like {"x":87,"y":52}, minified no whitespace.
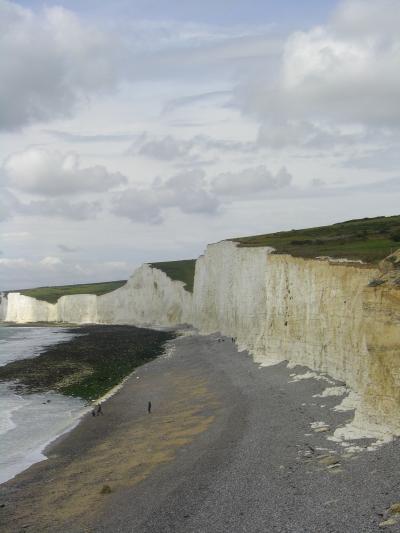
{"x":310,"y":312}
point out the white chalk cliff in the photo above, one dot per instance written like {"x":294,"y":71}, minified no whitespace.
{"x":317,"y":313}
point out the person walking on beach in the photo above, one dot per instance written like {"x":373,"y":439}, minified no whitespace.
{"x":99,"y":409}
{"x":149,"y":407}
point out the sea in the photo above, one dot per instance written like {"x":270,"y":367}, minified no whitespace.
{"x":29,"y":422}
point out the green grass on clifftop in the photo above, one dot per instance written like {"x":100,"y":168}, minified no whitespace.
{"x":366,"y":239}
{"x":52,"y":294}
{"x":179,"y":271}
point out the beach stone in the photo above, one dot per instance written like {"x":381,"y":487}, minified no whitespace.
{"x":395,"y":508}
{"x":106,"y":489}
{"x":389,"y":522}
{"x":330,"y":460}
{"x":321,"y":430}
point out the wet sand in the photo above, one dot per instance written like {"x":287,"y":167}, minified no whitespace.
{"x":228,"y":447}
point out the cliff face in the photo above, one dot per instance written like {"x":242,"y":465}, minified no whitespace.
{"x":149,"y":297}
{"x":230,"y":293}
{"x":3,"y":306}
{"x":381,"y":311}
{"x":22,"y":309}
{"x":339,"y":318}
{"x":318,"y":313}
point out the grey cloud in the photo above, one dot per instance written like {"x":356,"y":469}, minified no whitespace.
{"x":58,"y":62}
{"x":97,"y":138}
{"x":63,"y":61}
{"x":319,"y":189}
{"x":137,"y":205}
{"x":250,"y":181}
{"x":357,"y":17}
{"x":8,"y":204}
{"x":186,"y":192}
{"x":39,"y":171}
{"x":284,"y":133}
{"x":67,"y":249}
{"x":166,"y":148}
{"x":191,"y":193}
{"x":184,"y":101}
{"x":387,"y":158}
{"x":170,"y":148}
{"x":60,"y":207}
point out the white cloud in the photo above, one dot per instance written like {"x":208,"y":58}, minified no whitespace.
{"x":50,"y":262}
{"x":14,"y":263}
{"x":39,"y":171}
{"x":332,"y":77}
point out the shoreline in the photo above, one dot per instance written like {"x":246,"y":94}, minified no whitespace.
{"x":229,"y":446}
{"x":96,"y":359}
{"x":40,"y":452}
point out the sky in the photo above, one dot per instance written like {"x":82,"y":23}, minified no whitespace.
{"x":137,"y":131}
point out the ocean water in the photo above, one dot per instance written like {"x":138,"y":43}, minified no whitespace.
{"x":28,"y":422}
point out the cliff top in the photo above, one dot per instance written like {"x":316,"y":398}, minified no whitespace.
{"x":367,"y":239}
{"x":178,"y":271}
{"x":52,"y":294}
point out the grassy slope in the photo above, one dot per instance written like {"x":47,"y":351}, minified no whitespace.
{"x":368,"y":239}
{"x":52,"y":294}
{"x":179,"y":271}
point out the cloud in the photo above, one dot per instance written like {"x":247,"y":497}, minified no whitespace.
{"x":13,"y":235}
{"x":50,"y":62}
{"x":137,"y":205}
{"x":184,"y":101}
{"x":186,"y":191}
{"x":286,"y":133}
{"x":59,"y":207}
{"x":192,"y":193}
{"x":337,"y":76}
{"x":67,"y":249}
{"x":166,"y":148}
{"x":50,"y":262}
{"x":192,"y":150}
{"x":250,"y":181}
{"x":86,"y":138}
{"x":39,"y":171}
{"x":8,"y":204}
{"x":387,"y":158}
{"x":53,"y":60}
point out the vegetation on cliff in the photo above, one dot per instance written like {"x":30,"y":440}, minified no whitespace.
{"x":90,"y":364}
{"x":52,"y":294}
{"x":367,"y":239}
{"x":178,"y":271}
